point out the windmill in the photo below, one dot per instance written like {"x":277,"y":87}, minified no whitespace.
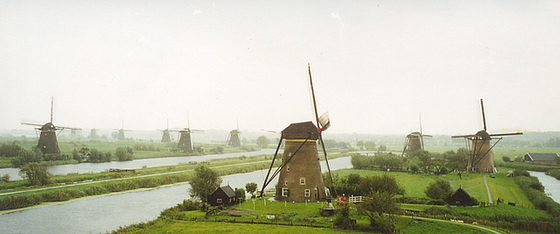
{"x":48,"y":143}
{"x":480,"y":157}
{"x":414,"y":141}
{"x":299,"y":175}
{"x":233,"y":137}
{"x":166,"y":137}
{"x":185,"y":140}
{"x":93,"y":134}
{"x":120,"y":136}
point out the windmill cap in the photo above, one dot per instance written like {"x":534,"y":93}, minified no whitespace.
{"x":303,"y":130}
{"x":483,"y":134}
{"x":48,"y":126}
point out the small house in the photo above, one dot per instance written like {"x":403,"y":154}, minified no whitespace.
{"x":223,"y":196}
{"x":541,"y":158}
{"x":461,"y":198}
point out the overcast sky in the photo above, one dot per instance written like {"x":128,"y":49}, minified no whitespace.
{"x":376,"y":64}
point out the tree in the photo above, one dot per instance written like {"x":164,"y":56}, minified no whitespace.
{"x":28,"y":156}
{"x":457,"y":161}
{"x":36,"y":173}
{"x":342,"y":219}
{"x":439,"y":190}
{"x":251,"y":188}
{"x":262,"y":141}
{"x":204,"y":183}
{"x":124,"y":153}
{"x":382,"y":148}
{"x":378,"y":204}
{"x":240,"y":194}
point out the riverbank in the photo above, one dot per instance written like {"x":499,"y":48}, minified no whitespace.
{"x":77,"y":186}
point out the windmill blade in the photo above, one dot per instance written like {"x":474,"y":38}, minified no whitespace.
{"x":325,"y":121}
{"x":462,"y":136}
{"x":320,"y":130}
{"x":426,"y":135}
{"x":52,"y":109}
{"x":32,"y":124}
{"x":71,"y":128}
{"x":506,"y":134}
{"x":483,"y":115}
{"x":265,"y":130}
{"x":519,"y":130}
{"x":196,"y":130}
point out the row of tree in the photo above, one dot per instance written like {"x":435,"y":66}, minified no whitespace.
{"x":418,"y":161}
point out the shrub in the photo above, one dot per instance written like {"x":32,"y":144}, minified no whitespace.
{"x":124,"y":153}
{"x":439,"y":190}
{"x":506,"y":159}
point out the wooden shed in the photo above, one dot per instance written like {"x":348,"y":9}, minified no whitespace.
{"x":461,"y":198}
{"x":541,"y":158}
{"x":223,"y":196}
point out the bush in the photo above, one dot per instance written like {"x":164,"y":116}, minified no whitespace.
{"x":342,"y":219}
{"x":506,"y":159}
{"x":36,"y":173}
{"x":439,"y":190}
{"x":520,"y":172}
{"x":124,"y":153}
{"x":5,"y":178}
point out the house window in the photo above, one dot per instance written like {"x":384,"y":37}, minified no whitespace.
{"x":285,"y":192}
{"x":316,"y":191}
{"x":286,"y":183}
{"x":308,"y":193}
{"x":288,"y":168}
{"x":219,"y":200}
{"x":302,"y":181}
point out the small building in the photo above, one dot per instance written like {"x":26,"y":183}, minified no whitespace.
{"x":223,"y":196}
{"x":461,"y":198}
{"x":541,"y":158}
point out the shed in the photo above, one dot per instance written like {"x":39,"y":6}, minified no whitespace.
{"x":461,"y":198}
{"x":223,"y":196}
{"x":541,"y":158}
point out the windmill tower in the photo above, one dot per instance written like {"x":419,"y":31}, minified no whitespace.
{"x":121,"y":136}
{"x":185,"y":139}
{"x":299,"y":176}
{"x":166,"y":137}
{"x":233,"y":138}
{"x":48,"y":143}
{"x":480,"y":157}
{"x":93,"y":134}
{"x":414,"y":141}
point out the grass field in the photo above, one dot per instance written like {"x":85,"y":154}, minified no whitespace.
{"x":415,"y":184}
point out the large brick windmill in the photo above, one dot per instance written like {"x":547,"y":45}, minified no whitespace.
{"x":414,"y":141}
{"x":48,"y":143}
{"x":299,"y":175}
{"x":480,"y":158}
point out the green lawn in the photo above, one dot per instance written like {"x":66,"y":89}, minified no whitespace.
{"x":415,"y":184}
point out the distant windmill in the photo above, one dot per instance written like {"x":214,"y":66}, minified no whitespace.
{"x":93,"y":134}
{"x":299,"y":176}
{"x":120,"y":136}
{"x":185,"y":139}
{"x":48,"y":143}
{"x":166,"y":137}
{"x":480,"y":158}
{"x":414,"y":141}
{"x":234,"y":137}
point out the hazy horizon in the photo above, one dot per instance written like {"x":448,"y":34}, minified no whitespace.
{"x":376,"y":65}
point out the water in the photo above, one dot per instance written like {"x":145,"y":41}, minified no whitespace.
{"x":106,"y":213}
{"x":134,"y":164}
{"x":551,"y":185}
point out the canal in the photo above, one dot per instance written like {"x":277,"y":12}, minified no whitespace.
{"x":108,"y":212}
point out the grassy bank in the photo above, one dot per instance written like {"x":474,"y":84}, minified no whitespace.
{"x":277,"y":217}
